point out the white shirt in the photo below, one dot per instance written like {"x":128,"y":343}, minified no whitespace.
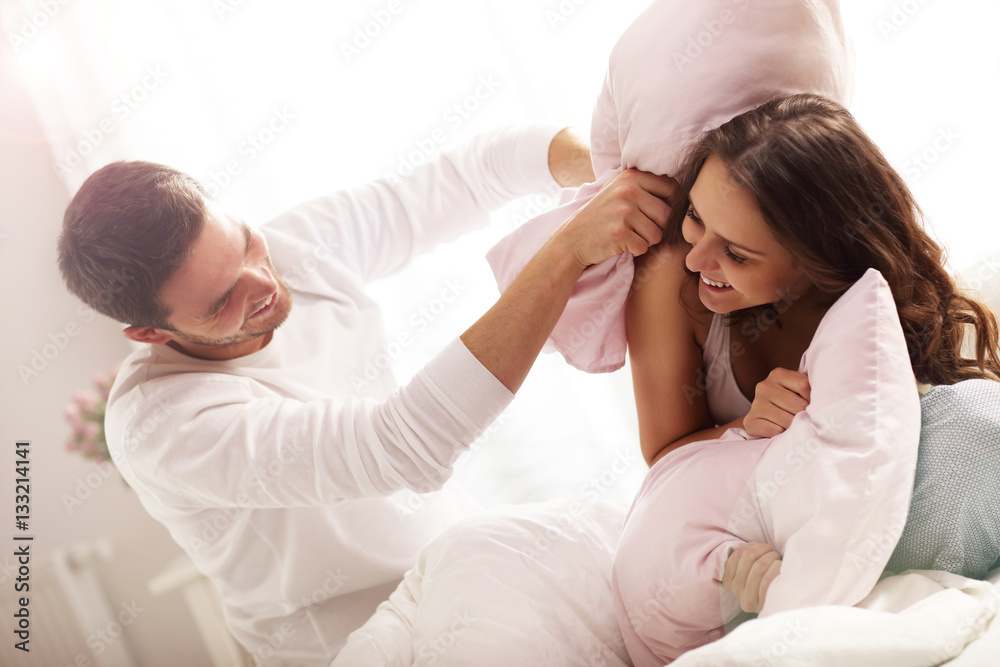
{"x":275,"y":471}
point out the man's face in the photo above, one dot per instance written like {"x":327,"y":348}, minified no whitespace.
{"x":226,"y":299}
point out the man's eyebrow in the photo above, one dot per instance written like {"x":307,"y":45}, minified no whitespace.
{"x":728,"y":242}
{"x":221,"y":302}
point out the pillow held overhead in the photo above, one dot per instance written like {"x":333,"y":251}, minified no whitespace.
{"x":681,"y":69}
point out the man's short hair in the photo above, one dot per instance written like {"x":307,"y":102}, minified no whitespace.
{"x":127,"y":230}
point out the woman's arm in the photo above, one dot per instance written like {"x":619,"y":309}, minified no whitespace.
{"x":664,"y":355}
{"x":698,"y":436}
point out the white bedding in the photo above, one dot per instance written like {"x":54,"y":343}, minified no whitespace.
{"x":921,"y":617}
{"x":530,"y":585}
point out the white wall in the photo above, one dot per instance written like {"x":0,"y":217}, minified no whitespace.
{"x":37,"y":311}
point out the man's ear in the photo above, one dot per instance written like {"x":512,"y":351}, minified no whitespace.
{"x":147,"y":335}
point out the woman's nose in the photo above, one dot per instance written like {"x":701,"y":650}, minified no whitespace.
{"x":697,"y":259}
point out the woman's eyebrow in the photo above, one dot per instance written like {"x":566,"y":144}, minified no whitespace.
{"x":221,"y":302}
{"x":731,"y":244}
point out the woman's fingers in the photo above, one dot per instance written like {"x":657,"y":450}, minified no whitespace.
{"x":748,"y":574}
{"x":772,"y":571}
{"x":777,"y":399}
{"x":761,"y":428}
{"x":793,"y":381}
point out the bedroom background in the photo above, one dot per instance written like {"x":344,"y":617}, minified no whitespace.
{"x":269,"y":104}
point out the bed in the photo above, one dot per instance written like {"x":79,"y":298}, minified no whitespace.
{"x":530,"y":584}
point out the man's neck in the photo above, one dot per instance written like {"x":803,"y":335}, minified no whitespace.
{"x":222,"y":352}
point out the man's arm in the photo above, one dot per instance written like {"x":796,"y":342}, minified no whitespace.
{"x":569,"y":158}
{"x":377,"y":228}
{"x":627,"y":215}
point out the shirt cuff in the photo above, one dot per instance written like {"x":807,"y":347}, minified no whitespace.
{"x":468,"y":384}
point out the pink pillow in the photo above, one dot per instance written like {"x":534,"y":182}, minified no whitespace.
{"x":680,"y":69}
{"x":831,"y":493}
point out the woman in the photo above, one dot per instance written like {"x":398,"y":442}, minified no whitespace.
{"x":778,"y":212}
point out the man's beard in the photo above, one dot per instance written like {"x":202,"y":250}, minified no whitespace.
{"x":278,"y":317}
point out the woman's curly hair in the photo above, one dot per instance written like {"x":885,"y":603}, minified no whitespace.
{"x":832,"y":199}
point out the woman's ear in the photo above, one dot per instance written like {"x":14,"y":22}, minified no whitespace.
{"x":147,"y":335}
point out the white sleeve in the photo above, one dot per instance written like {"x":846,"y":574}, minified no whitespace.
{"x":376,"y":229}
{"x":248,"y":451}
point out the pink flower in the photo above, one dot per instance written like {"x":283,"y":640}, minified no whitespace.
{"x":85,"y":413}
{"x":89,"y":432}
{"x":87,"y":400}
{"x":104,"y":382}
{"x":73,"y":416}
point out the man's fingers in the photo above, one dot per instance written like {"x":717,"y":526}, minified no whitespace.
{"x":648,"y":230}
{"x":663,"y":187}
{"x":653,"y":208}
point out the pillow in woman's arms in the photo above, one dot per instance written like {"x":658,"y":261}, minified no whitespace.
{"x":830,"y":494}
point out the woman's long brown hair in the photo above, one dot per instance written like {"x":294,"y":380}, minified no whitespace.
{"x":831,"y":198}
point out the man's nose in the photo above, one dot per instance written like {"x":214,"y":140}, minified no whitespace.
{"x":264,"y":282}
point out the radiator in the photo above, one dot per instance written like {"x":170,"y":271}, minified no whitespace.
{"x":68,"y":606}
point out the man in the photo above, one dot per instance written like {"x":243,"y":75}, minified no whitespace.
{"x":251,"y":444}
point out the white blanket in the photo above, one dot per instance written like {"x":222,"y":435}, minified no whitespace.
{"x":918,"y":618}
{"x":528,"y":586}
{"x":531,"y":586}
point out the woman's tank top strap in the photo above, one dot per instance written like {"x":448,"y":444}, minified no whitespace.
{"x":725,"y":400}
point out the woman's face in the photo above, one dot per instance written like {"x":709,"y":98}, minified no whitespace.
{"x":739,"y":262}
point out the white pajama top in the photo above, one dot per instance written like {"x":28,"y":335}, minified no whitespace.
{"x":287,"y":475}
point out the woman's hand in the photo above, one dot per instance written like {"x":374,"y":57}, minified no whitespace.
{"x":776,"y":401}
{"x":749,"y":572}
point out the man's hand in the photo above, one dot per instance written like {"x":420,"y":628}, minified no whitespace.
{"x":627,"y":215}
{"x":781,"y":396}
{"x":749,"y":572}
{"x":569,"y":158}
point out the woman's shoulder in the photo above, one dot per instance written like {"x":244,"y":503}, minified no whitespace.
{"x":664,"y":266}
